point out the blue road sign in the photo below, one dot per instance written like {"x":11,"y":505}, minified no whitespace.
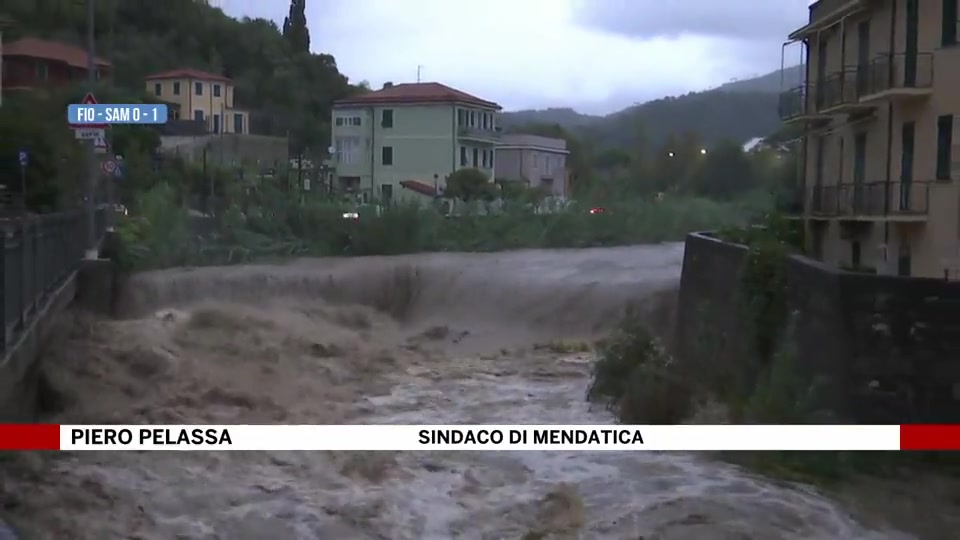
{"x":24,"y":157}
{"x":99,"y":114}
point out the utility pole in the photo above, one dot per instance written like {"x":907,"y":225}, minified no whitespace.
{"x":92,"y":252}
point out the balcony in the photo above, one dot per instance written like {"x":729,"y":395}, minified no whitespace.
{"x":909,"y":201}
{"x":862,"y":202}
{"x":842,"y":91}
{"x":479,"y":134}
{"x":823,"y":201}
{"x":798,"y":104}
{"x":896,"y":77}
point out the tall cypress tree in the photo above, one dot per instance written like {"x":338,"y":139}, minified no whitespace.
{"x":295,"y":26}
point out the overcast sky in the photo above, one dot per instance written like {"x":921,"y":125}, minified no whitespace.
{"x":596,"y":56}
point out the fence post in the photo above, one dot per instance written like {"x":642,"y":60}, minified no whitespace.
{"x":5,"y":294}
{"x":21,"y":320}
{"x":39,"y":281}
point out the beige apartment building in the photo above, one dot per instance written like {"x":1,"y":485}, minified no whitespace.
{"x":881,"y":162}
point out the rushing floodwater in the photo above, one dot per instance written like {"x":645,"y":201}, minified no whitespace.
{"x":451,"y":341}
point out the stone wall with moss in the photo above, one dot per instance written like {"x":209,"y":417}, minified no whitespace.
{"x":886,"y":349}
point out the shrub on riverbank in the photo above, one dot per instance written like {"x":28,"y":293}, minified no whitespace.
{"x":273,"y":225}
{"x":638,"y":379}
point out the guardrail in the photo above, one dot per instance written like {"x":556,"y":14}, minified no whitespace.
{"x":794,"y":102}
{"x":37,"y":255}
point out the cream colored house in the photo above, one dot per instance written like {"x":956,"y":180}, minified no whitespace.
{"x":201,"y":96}
{"x":881,"y":164}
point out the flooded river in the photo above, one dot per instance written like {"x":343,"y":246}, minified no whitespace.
{"x":442,"y":338}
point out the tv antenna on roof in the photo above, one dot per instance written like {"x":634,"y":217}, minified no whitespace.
{"x":419,"y":69}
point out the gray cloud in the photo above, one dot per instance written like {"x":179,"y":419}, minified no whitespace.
{"x":748,"y":20}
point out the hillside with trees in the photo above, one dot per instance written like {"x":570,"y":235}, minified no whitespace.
{"x":287,"y":88}
{"x":737,"y":111}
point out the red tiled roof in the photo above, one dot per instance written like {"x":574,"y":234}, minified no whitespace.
{"x":187,"y":73}
{"x":50,"y":50}
{"x":416,"y":93}
{"x":420,"y":187}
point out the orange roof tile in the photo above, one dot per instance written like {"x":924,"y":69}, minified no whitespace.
{"x":51,"y":50}
{"x":188,"y":73}
{"x":416,"y":93}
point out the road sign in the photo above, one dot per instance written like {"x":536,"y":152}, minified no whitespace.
{"x":89,"y":133}
{"x":100,"y":145}
{"x":24,"y":158}
{"x":109,"y":166}
{"x":89,"y":99}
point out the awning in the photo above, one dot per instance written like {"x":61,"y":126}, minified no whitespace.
{"x":422,"y":188}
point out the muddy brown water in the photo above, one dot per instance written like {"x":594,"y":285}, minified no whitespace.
{"x":441,"y":338}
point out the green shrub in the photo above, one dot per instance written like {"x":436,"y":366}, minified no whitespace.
{"x":638,"y":379}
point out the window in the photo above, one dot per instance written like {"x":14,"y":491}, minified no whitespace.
{"x":949,"y":19}
{"x":463,"y":156}
{"x":198,"y":115}
{"x":386,"y":157}
{"x":176,"y":88}
{"x":216,"y":123}
{"x":216,"y":90}
{"x":355,"y":121}
{"x":198,"y":88}
{"x":855,"y":254}
{"x":348,"y":150}
{"x":476,"y":158}
{"x":238,"y":123}
{"x":473,"y":118}
{"x":483,"y":159}
{"x":386,"y":119}
{"x":42,"y":71}
{"x":486,"y":121}
{"x":461,"y":114}
{"x":339,"y":121}
{"x":547,"y":164}
{"x":944,"y":146}
{"x":157,"y":89}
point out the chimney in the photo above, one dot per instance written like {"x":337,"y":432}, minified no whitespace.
{"x":387,"y":85}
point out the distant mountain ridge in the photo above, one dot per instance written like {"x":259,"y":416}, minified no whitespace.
{"x":738,"y":110}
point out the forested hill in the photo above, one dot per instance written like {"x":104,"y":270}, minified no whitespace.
{"x":276,"y":76}
{"x":739,"y":111}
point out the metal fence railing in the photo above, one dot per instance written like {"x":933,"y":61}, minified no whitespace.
{"x":38,"y":254}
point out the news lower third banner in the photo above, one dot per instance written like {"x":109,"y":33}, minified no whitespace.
{"x":479,"y":437}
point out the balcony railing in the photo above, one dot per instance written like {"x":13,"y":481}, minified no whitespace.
{"x":865,"y":199}
{"x":900,"y":73}
{"x":870,"y":199}
{"x":843,"y":90}
{"x":823,"y":200}
{"x":480,"y":133}
{"x":909,"y":198}
{"x":795,"y":102}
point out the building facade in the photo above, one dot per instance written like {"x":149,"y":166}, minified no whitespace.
{"x":534,"y":160}
{"x":202,"y":97}
{"x":880,"y":153}
{"x":32,"y":63}
{"x":402,"y":141}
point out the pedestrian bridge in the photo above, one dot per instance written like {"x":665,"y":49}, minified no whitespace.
{"x":40,"y":268}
